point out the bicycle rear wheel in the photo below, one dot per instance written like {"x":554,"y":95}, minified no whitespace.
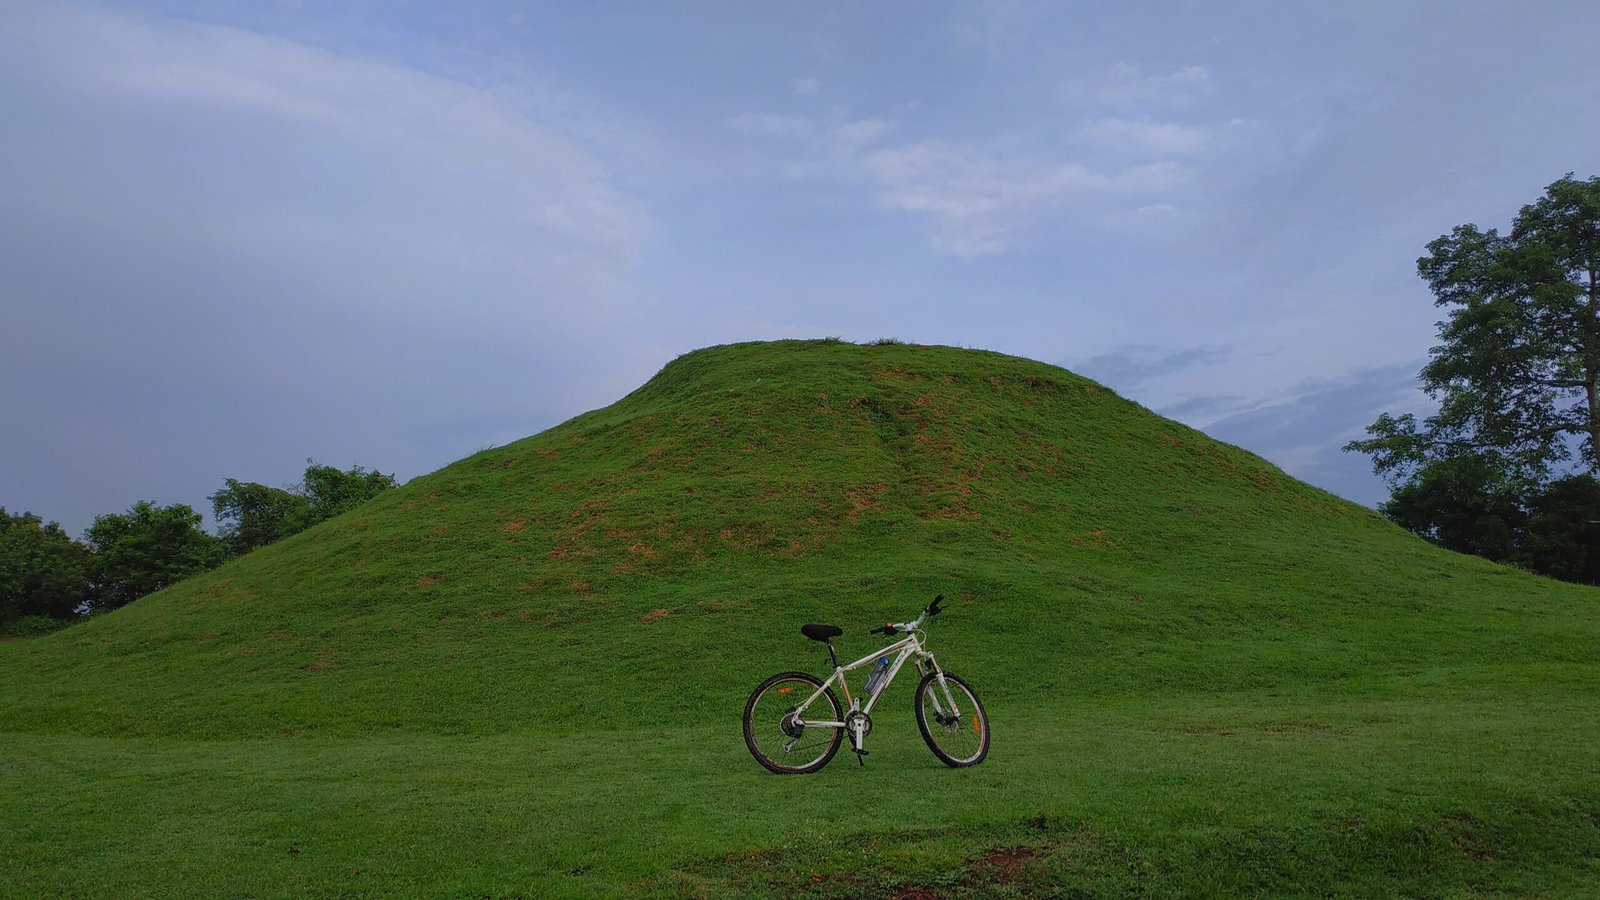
{"x":958,"y":735}
{"x":780,"y":743}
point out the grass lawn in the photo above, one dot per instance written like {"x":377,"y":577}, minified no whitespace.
{"x":1192,"y":795}
{"x":523,"y":674}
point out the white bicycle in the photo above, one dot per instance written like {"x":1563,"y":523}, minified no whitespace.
{"x":793,"y":723}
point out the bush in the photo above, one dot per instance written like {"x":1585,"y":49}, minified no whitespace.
{"x":32,"y":626}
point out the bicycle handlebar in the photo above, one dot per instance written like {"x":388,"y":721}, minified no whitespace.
{"x":890,"y":629}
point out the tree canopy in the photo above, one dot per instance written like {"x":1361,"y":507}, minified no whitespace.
{"x":251,"y":515}
{"x":329,"y":491}
{"x":1516,"y":372}
{"x":43,"y":571}
{"x":1506,"y":468}
{"x":146,"y":549}
{"x":46,"y":574}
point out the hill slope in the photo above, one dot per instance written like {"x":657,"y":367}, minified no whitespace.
{"x":541,"y":631}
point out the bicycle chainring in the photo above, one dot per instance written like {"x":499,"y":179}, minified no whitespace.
{"x":851,"y":719}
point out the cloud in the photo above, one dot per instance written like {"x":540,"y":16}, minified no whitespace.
{"x":1305,"y":433}
{"x":981,"y":194}
{"x":1204,"y":408}
{"x":851,"y":137}
{"x":772,"y":125}
{"x":1125,"y":85}
{"x":197,"y":219}
{"x":978,"y":200}
{"x":1128,"y":367}
{"x":804,"y":87}
{"x":1143,"y":137}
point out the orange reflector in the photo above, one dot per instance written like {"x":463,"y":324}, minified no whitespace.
{"x":785,"y":690}
{"x":975,"y":725}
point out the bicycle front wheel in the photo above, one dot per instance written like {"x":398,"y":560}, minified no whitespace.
{"x":772,"y":728}
{"x":954,"y":724}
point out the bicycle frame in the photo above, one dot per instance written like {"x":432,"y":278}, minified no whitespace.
{"x":907,"y":647}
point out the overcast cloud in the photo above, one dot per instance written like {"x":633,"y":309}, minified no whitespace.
{"x":233,"y":236}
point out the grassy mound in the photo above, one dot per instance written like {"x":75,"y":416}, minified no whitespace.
{"x":523,"y":673}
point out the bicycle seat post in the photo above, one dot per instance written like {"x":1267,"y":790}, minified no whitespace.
{"x":832,"y":657}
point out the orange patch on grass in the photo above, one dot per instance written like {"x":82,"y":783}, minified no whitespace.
{"x":649,"y":617}
{"x":1094,"y":540}
{"x":865,"y":499}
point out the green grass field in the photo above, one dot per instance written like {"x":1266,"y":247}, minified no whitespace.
{"x":523,"y":674}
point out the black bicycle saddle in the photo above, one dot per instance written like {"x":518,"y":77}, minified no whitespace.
{"x":820,"y":632}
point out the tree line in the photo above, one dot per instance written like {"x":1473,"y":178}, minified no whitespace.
{"x":1509,"y":467}
{"x":48,"y":577}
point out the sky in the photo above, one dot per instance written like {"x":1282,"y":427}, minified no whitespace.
{"x":235,"y":236}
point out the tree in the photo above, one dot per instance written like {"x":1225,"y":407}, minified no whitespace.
{"x":1517,"y":369}
{"x":1465,"y":504}
{"x":1516,"y":374}
{"x":146,"y":549}
{"x":1563,"y":530}
{"x":43,"y":571}
{"x":329,"y":492}
{"x":251,"y":515}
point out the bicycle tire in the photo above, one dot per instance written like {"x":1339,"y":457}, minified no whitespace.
{"x":949,"y":737}
{"x":763,"y":726}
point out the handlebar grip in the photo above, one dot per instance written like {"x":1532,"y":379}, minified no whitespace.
{"x":933,"y":608}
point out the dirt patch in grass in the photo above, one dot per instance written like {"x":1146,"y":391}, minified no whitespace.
{"x":1093,"y":540}
{"x":1001,"y":864}
{"x":649,"y":617}
{"x":996,"y":867}
{"x":865,"y":499}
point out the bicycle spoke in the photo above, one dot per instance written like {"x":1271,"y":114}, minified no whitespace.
{"x":958,"y":738}
{"x":774,"y":736}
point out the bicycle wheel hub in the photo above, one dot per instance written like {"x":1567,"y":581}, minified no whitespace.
{"x":790,"y":725}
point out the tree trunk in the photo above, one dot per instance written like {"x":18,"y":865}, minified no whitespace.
{"x":1594,"y":421}
{"x":1593,"y":384}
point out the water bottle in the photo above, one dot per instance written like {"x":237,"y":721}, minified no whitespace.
{"x":877,"y":675}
